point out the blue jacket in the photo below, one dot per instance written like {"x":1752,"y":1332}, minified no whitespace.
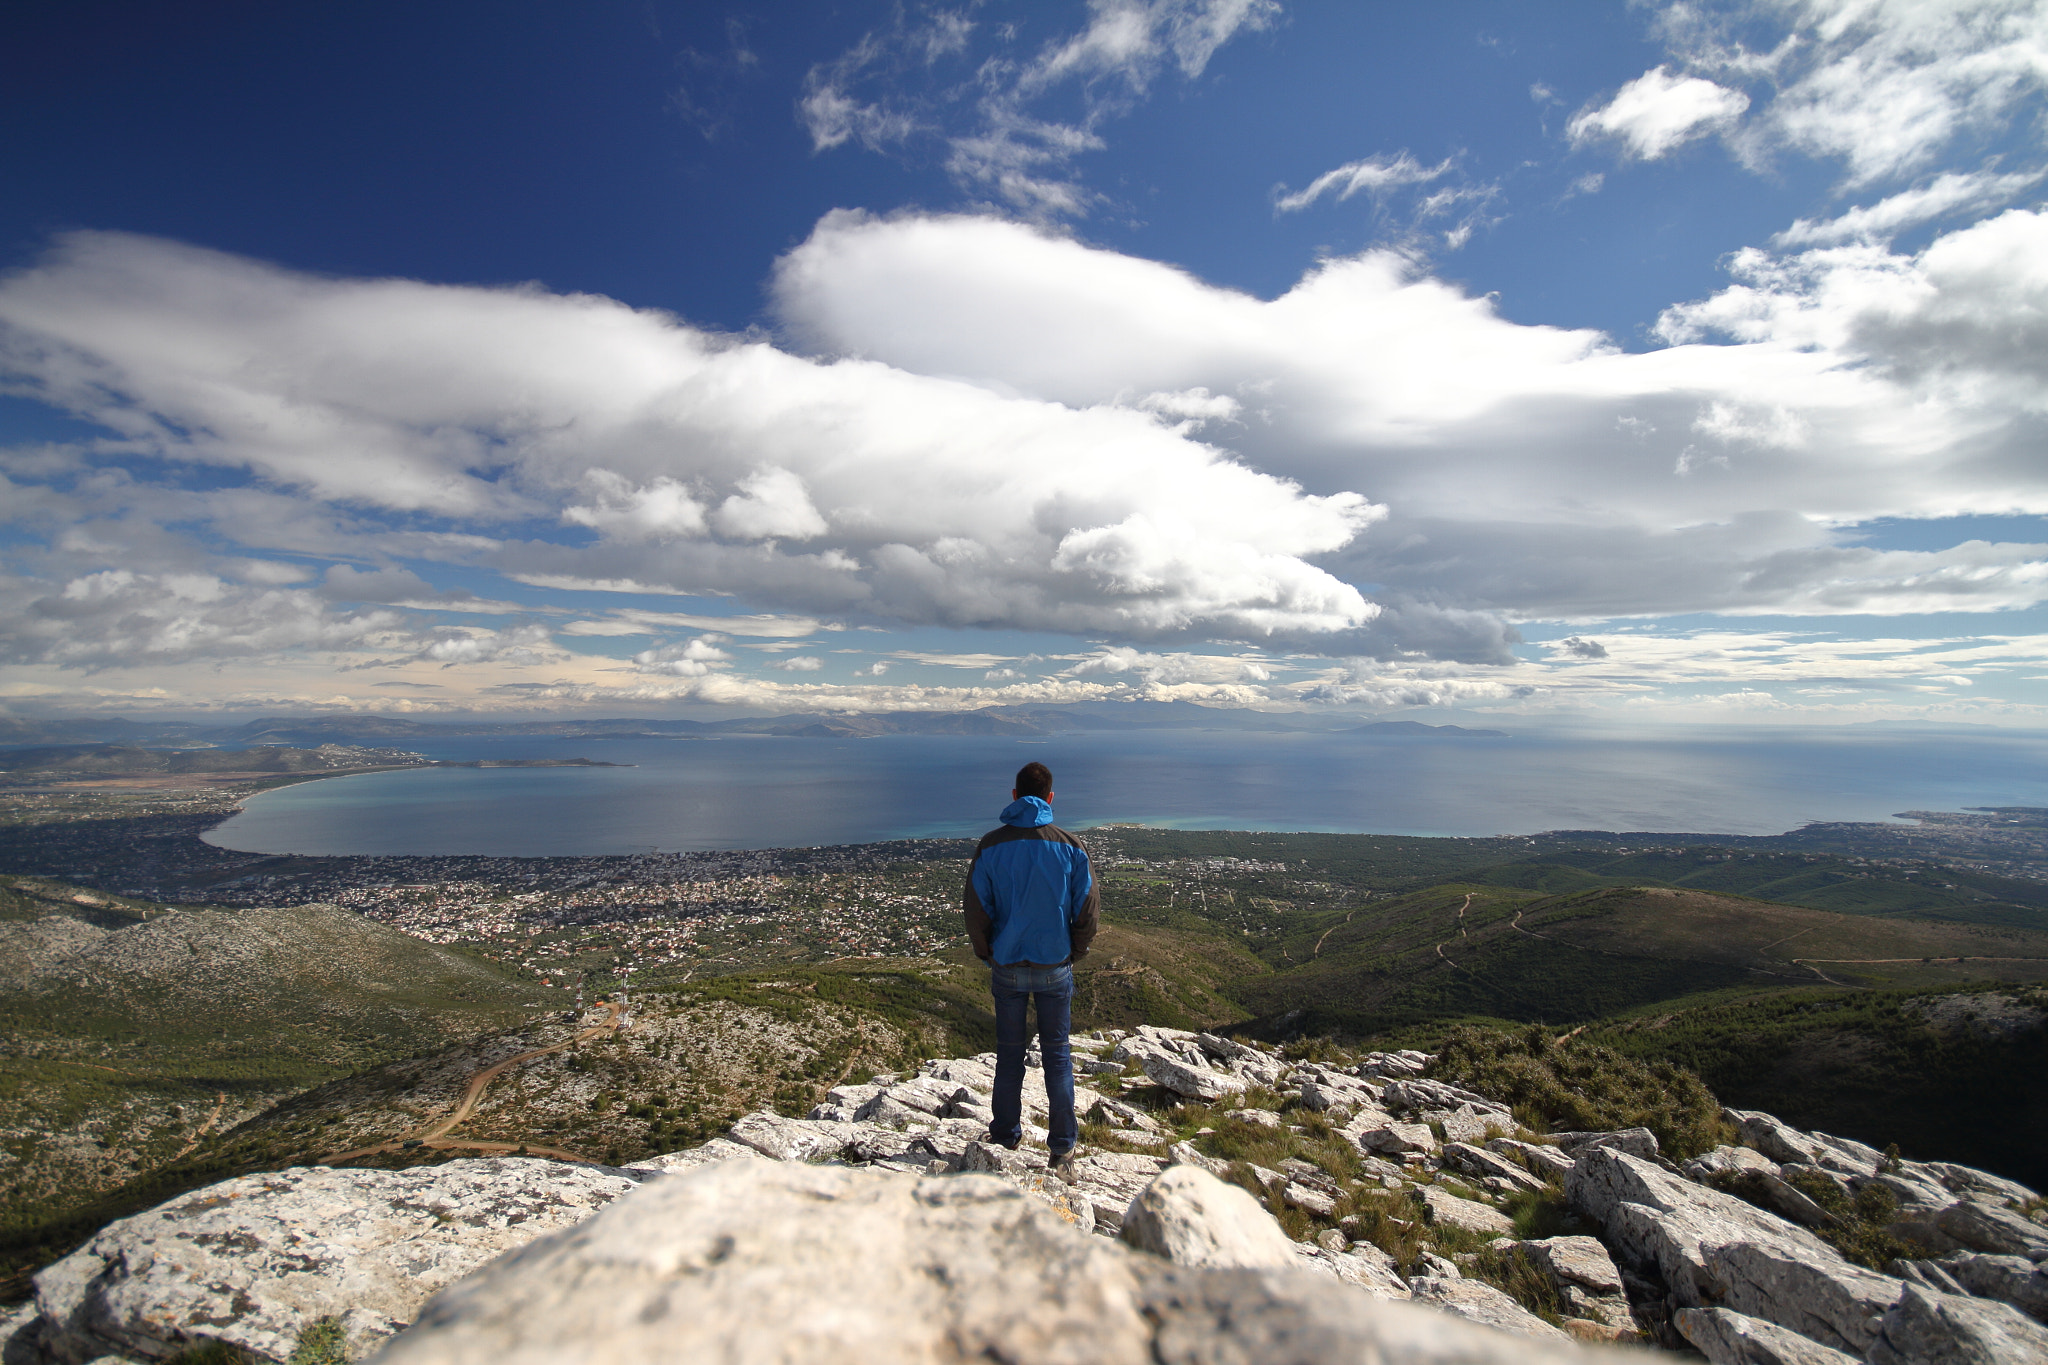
{"x":1030,"y":895}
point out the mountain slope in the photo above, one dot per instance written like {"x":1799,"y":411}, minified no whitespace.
{"x":134,"y":1031}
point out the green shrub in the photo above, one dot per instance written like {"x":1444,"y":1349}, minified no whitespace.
{"x":1578,"y":1086}
{"x":321,"y":1342}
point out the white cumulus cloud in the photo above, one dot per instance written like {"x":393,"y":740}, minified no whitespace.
{"x":1658,"y":112}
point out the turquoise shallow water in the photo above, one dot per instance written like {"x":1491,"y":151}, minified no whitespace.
{"x":768,"y":793}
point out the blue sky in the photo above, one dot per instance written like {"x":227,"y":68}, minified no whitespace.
{"x":1639,"y":361}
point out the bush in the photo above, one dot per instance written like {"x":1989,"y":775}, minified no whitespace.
{"x":1577,"y":1086}
{"x":321,"y":1342}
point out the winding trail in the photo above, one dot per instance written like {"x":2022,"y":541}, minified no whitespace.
{"x":1317,"y":951}
{"x":220,"y":1103}
{"x":435,"y":1135}
{"x":1461,"y":934}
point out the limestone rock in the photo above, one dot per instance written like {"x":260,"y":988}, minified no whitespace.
{"x":1639,"y":1142}
{"x":1108,"y":1181}
{"x":1466,"y":1124}
{"x":1395,"y":1064}
{"x":1395,"y":1138}
{"x":1985,"y":1227}
{"x":1729,"y":1338}
{"x":1925,"y":1328}
{"x":1477,"y":1301}
{"x":1970,"y":1180}
{"x":1375,"y":1275}
{"x":1477,"y":1161}
{"x":1543,"y":1160}
{"x":1728,"y":1161}
{"x":1308,"y":1199}
{"x":718,"y":1149}
{"x":1443,"y":1207}
{"x":1587,"y":1281}
{"x":1192,"y":1218}
{"x":2011,"y":1279}
{"x":252,"y":1261}
{"x":1715,"y":1250}
{"x":752,"y":1261}
{"x":1417,"y":1093}
{"x":785,"y":1139}
{"x":1191,"y":1081}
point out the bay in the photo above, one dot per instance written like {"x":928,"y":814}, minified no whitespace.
{"x":758,"y":792}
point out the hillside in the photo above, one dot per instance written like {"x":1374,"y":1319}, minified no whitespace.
{"x":1521,"y":955}
{"x":135,"y":1031}
{"x":1953,"y":1072}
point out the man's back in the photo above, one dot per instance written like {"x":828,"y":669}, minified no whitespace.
{"x":1031,"y":895}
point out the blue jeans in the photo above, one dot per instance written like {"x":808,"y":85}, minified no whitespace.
{"x":1052,"y":988}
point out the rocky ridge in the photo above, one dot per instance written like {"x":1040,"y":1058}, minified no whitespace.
{"x":884,"y":1224}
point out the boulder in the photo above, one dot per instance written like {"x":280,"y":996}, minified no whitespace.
{"x":1544,"y":1161}
{"x":1477,"y":1301}
{"x":1375,"y":1275}
{"x":1191,"y":1081}
{"x":1417,"y":1093}
{"x":786,"y":1139}
{"x":1466,"y":1124}
{"x":1395,"y":1064}
{"x":1729,"y":1338}
{"x":1117,"y":1114}
{"x":1108,"y":1181}
{"x":1309,"y":1199}
{"x":1713,"y":1249}
{"x":990,"y":1159}
{"x":718,"y":1149}
{"x":1723,"y":1161}
{"x":1395,"y":1138}
{"x":252,"y":1262}
{"x":2010,"y":1279}
{"x":1484,"y":1164}
{"x":1776,"y":1139}
{"x":1587,"y":1281}
{"x":1926,"y":1328}
{"x":1191,"y":1218}
{"x":1985,"y":1227}
{"x":1639,"y":1142}
{"x":1970,"y":1180}
{"x":1929,"y":1275}
{"x":1442,"y":1207}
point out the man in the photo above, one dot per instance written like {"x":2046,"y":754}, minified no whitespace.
{"x":1031,"y":907}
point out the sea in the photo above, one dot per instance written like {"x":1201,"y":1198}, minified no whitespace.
{"x":741,"y":792}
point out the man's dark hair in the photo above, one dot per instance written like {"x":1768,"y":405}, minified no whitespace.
{"x":1034,"y":779}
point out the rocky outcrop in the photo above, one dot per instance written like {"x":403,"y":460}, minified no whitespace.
{"x":750,"y":1262}
{"x":849,"y":1232}
{"x":254,"y":1261}
{"x":1729,"y":1338}
{"x":1587,"y":1282}
{"x":1713,"y":1249}
{"x":1483,"y":1304}
{"x":1442,"y":1208}
{"x":1925,"y":1327}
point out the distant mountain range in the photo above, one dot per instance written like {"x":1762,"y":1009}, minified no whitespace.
{"x":1416,"y":727}
{"x":1021,"y":721}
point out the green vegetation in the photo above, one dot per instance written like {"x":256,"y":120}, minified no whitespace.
{"x":1577,"y":1086}
{"x":1933,"y":1072}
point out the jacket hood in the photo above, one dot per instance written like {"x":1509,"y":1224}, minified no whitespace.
{"x":1027,"y":812}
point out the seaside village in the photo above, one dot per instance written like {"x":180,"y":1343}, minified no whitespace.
{"x":1228,"y":1204}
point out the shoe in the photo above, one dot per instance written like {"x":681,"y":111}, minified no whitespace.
{"x":1062,"y":1165}
{"x":1012,"y":1145}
